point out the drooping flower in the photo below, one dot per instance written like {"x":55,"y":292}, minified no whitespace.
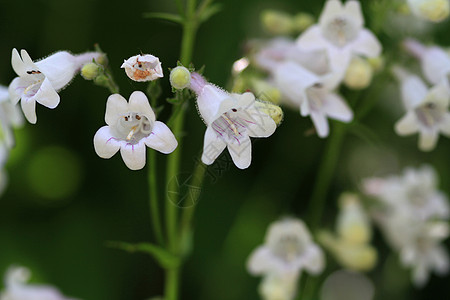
{"x":431,"y":10}
{"x":16,"y":287}
{"x":41,"y":80}
{"x":426,"y":110}
{"x":288,"y":249}
{"x":131,"y":126}
{"x":143,"y":67}
{"x":231,"y":120}
{"x":340,"y":32}
{"x":313,"y":94}
{"x":10,"y":117}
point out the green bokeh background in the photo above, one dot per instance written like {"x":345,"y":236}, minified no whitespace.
{"x":64,"y":202}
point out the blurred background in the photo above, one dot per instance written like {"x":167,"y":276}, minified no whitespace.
{"x":63,"y":202}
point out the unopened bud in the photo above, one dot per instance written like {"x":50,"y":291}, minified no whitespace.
{"x":90,"y":71}
{"x":302,"y":21}
{"x":180,"y":78}
{"x":431,"y":10}
{"x":274,"y":111}
{"x":359,"y":74}
{"x":276,"y":22}
{"x":377,"y":63}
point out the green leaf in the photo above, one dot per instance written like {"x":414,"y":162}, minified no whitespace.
{"x":164,"y":16}
{"x":209,"y":12}
{"x":165,"y":259}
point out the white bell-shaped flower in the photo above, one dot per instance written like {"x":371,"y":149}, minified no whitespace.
{"x":143,"y":67}
{"x":231,"y":120}
{"x":426,"y":110}
{"x":131,"y":126}
{"x":313,"y":94}
{"x":340,"y":32}
{"x":288,"y":249}
{"x":41,"y":80}
{"x":16,"y":287}
{"x":10,"y":117}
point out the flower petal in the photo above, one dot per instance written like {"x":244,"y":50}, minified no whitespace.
{"x":116,"y":107}
{"x":161,"y":138}
{"x":428,"y":140}
{"x":312,"y":39}
{"x":133,"y":155}
{"x":16,"y":88}
{"x":29,"y":109}
{"x":241,"y":152}
{"x":367,"y":44}
{"x":321,"y":123}
{"x":259,"y":261}
{"x":335,"y":107}
{"x":258,"y":123}
{"x":353,"y":8}
{"x":59,"y":68}
{"x":407,"y":125}
{"x":445,"y":125}
{"x":331,"y":8}
{"x":105,"y":144}
{"x":17,"y":63}
{"x":314,"y":260}
{"x":414,"y":91}
{"x":213,"y":102}
{"x":213,"y":146}
{"x":435,"y":64}
{"x":47,"y":95}
{"x":139,"y":103}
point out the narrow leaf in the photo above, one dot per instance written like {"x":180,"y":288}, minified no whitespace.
{"x":164,"y":16}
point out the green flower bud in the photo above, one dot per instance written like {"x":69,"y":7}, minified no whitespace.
{"x":359,"y":74}
{"x":303,"y":21}
{"x":90,"y":71}
{"x":274,"y":111}
{"x":180,"y":78}
{"x":276,"y":22}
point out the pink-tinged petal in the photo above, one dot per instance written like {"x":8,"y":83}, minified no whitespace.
{"x":260,"y":261}
{"x":139,"y":103}
{"x":161,"y":138}
{"x":331,"y":8}
{"x":414,"y":91}
{"x":312,"y":39}
{"x":29,"y":109}
{"x":241,"y":152}
{"x":59,"y":68}
{"x":213,"y":146}
{"x":320,"y":123}
{"x":133,"y":155}
{"x":105,"y":144}
{"x":445,"y":125}
{"x":258,"y":123}
{"x":16,"y":88}
{"x":407,"y":125}
{"x":336,"y":108}
{"x":17,"y":63}
{"x":353,"y":8}
{"x":428,"y":140}
{"x":116,"y":107}
{"x":367,"y":44}
{"x":47,"y":95}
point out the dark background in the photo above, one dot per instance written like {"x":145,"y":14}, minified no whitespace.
{"x":63,"y":202}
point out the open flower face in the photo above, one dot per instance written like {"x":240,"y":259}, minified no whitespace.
{"x":131,"y":127}
{"x":340,"y":31}
{"x":288,"y":249}
{"x":427,"y":112}
{"x":143,"y":67}
{"x":313,"y":94}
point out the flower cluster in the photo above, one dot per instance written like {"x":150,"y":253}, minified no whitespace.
{"x":288,"y":249}
{"x":413,"y":216}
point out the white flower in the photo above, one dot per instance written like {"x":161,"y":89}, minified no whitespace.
{"x":313,"y":94}
{"x":431,"y":10}
{"x":143,"y":67}
{"x":3,"y":175}
{"x":414,"y":192}
{"x":288,"y":249}
{"x":279,"y":287}
{"x":340,"y":31}
{"x":10,"y":116}
{"x":131,"y":127}
{"x":39,"y":81}
{"x":231,"y":120}
{"x":426,"y":110}
{"x":18,"y":289}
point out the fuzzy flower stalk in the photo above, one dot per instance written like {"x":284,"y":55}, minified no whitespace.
{"x":231,"y":120}
{"x":40,"y":81}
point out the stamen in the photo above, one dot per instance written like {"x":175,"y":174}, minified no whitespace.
{"x":132,"y":132}
{"x":30,"y":87}
{"x":232,"y":125}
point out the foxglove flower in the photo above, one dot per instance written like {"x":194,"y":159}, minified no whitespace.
{"x":143,"y":67}
{"x":231,"y":120}
{"x":426,"y":110}
{"x":131,"y":126}
{"x":340,"y":32}
{"x":313,"y":94}
{"x":18,"y":289}
{"x":41,"y":80}
{"x":288,"y":249}
{"x":10,"y":117}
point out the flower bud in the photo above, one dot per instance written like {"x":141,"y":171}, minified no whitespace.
{"x":273,"y":110}
{"x":90,"y":71}
{"x":180,"y":78}
{"x":302,"y":21}
{"x":431,"y":10}
{"x":353,"y":224}
{"x":359,"y":74}
{"x":277,"y":22}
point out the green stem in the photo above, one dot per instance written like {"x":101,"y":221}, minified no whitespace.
{"x":172,"y":282}
{"x":154,"y":201}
